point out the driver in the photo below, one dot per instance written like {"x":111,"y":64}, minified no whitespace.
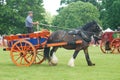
{"x":29,"y":22}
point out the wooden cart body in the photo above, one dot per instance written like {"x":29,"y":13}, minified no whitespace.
{"x":26,"y":49}
{"x":110,"y":42}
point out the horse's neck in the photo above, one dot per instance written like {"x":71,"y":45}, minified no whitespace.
{"x":88,"y":32}
{"x":86,"y":35}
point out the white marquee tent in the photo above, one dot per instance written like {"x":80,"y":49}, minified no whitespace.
{"x":108,"y":30}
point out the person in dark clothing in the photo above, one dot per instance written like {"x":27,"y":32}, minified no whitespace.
{"x":29,"y":22}
{"x":107,"y":46}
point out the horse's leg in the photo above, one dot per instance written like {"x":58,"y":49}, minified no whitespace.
{"x":71,"y":62}
{"x":53,"y":58}
{"x":88,"y":58}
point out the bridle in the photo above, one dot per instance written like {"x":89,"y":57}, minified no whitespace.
{"x":88,"y":32}
{"x":86,"y":35}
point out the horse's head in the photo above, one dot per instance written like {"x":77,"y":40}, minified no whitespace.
{"x":94,"y":28}
{"x":97,"y":29}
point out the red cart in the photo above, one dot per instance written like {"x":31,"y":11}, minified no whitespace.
{"x":110,"y":42}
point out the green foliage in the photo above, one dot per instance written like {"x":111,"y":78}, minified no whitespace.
{"x":68,"y":1}
{"x":48,"y":17}
{"x":111,"y":14}
{"x":14,"y":12}
{"x":94,"y":2}
{"x":76,"y":14}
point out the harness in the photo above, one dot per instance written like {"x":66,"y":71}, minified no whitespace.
{"x":84,"y":34}
{"x":63,"y":35}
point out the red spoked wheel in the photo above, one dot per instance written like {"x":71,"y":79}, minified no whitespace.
{"x":115,"y":46}
{"x":119,"y":50}
{"x":39,"y":57}
{"x":21,"y":52}
{"x":103,"y":47}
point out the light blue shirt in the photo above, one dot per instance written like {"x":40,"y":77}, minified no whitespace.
{"x":29,"y":21}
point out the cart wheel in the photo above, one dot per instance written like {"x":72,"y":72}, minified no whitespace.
{"x":21,"y":51}
{"x":115,"y":46}
{"x":102,"y":47}
{"x":39,"y":57}
{"x":105,"y":47}
{"x":119,"y":49}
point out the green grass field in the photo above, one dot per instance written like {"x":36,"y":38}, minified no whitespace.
{"x":107,"y":67}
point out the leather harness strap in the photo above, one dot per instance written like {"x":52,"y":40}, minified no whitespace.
{"x":84,"y":34}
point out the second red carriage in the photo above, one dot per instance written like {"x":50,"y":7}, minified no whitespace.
{"x":110,"y":42}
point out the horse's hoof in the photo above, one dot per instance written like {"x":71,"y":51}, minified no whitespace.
{"x":51,"y":64}
{"x":91,"y":64}
{"x":71,"y":65}
{"x":54,"y":60}
{"x":54,"y":64}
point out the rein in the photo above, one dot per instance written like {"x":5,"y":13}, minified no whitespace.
{"x":86,"y":35}
{"x":52,"y":26}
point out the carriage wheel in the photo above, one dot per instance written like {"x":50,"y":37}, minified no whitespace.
{"x":21,"y":51}
{"x":115,"y":46}
{"x":39,"y":57}
{"x":119,"y":49}
{"x":102,"y":47}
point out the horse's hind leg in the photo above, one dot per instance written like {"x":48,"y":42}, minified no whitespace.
{"x":71,"y":62}
{"x":88,"y":58}
{"x":53,"y":58}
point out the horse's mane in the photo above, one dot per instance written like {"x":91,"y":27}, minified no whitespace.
{"x":88,"y":25}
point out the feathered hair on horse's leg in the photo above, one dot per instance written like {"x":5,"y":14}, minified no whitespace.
{"x":54,"y":60}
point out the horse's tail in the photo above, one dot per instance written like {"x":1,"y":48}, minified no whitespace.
{"x":46,"y":52}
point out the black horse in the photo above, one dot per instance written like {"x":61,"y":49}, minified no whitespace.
{"x":85,"y":33}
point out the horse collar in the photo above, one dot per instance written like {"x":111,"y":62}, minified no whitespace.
{"x":85,"y":35}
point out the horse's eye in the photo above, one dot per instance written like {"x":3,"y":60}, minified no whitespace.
{"x":97,"y":27}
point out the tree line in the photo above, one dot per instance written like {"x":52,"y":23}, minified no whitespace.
{"x":14,"y":12}
{"x":79,"y":12}
{"x":75,"y":13}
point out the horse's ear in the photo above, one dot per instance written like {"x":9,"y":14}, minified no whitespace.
{"x":93,"y":21}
